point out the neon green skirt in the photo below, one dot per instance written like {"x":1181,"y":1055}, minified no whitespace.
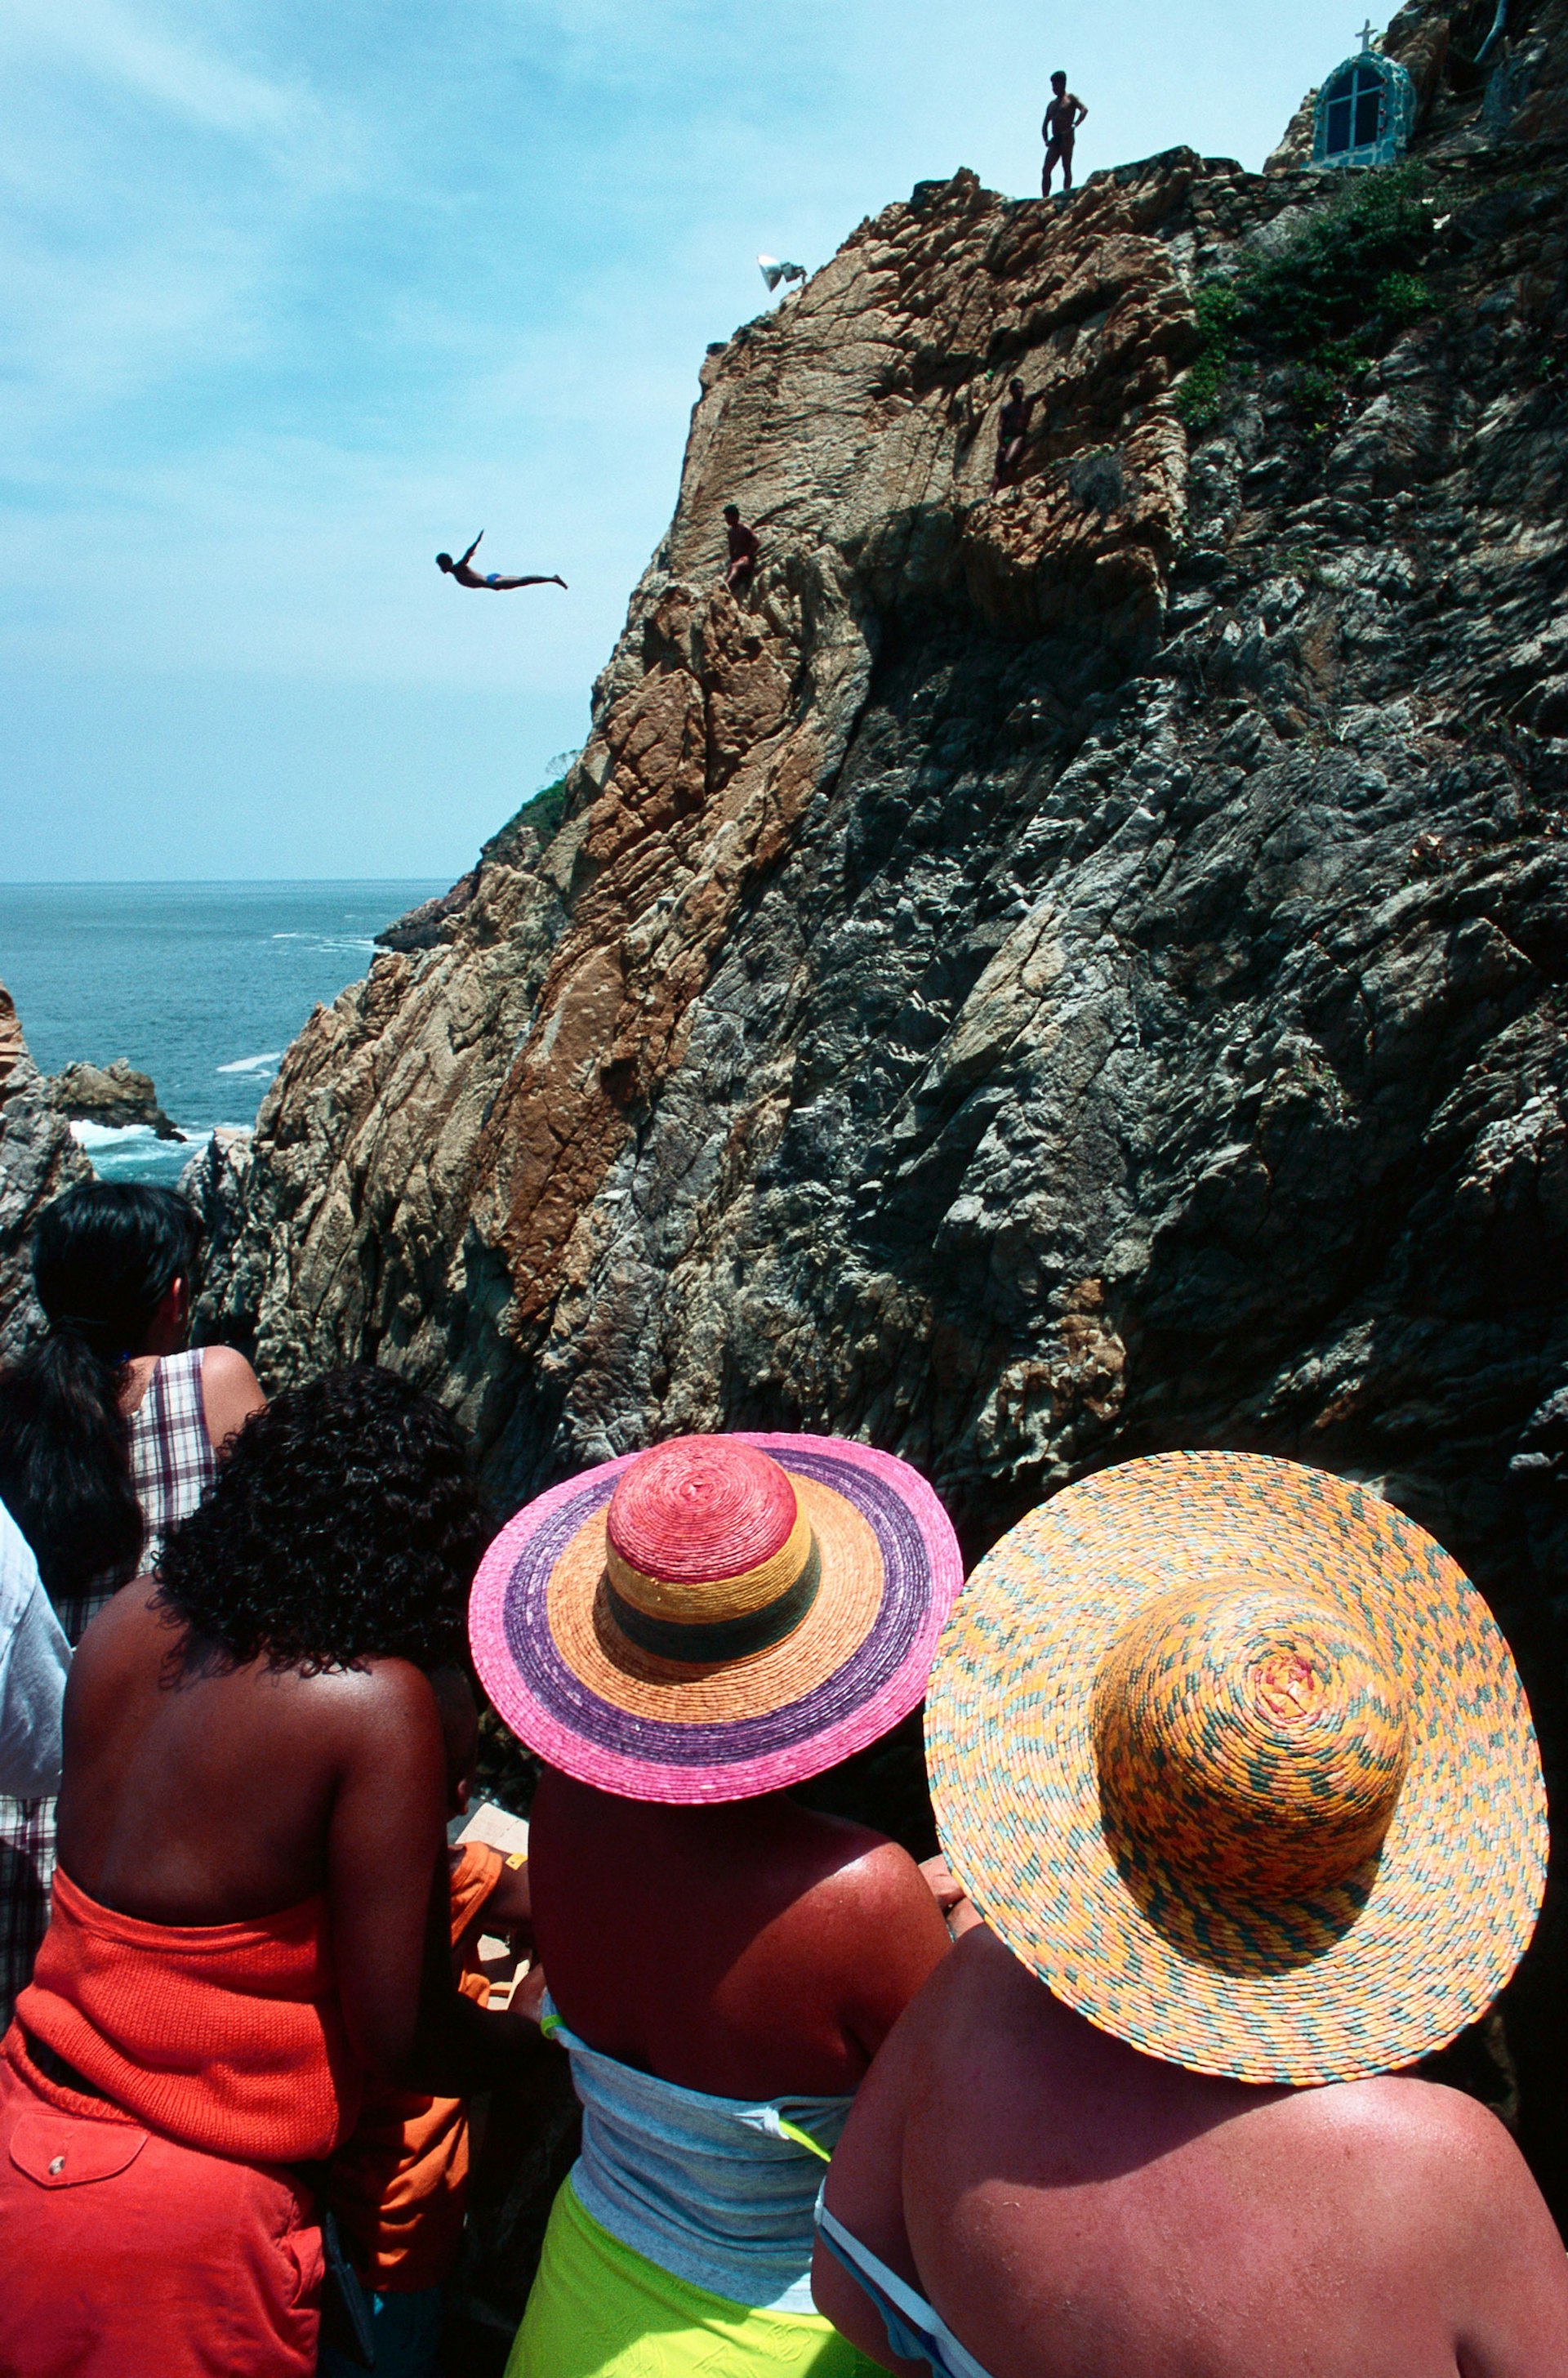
{"x":596,"y":2308}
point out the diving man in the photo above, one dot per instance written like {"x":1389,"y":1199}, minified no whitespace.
{"x":495,"y":584}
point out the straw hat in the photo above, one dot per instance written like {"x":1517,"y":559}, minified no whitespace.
{"x":1230,"y":1754}
{"x":721,"y":1616}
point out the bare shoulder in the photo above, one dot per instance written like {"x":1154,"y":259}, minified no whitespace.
{"x":229,"y":1392}
{"x":1482,"y":2229}
{"x":866,"y":1880}
{"x":1470,"y":2154}
{"x":386,"y":1702}
{"x":876,"y":1868}
{"x":376,"y":1727}
{"x":132,"y":1623}
{"x":1455,"y":2161}
{"x":1397,"y":2114}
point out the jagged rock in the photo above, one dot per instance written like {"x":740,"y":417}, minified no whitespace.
{"x":216,"y":1180}
{"x":1295,"y":148}
{"x":115,"y":1095}
{"x":1419,"y":39}
{"x":421,"y":927}
{"x":981,"y":996}
{"x":38,"y":1159}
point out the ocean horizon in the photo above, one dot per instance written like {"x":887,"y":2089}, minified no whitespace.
{"x":200,"y":984}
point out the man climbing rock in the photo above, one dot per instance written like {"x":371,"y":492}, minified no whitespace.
{"x":1063,"y":116}
{"x":494,"y":584}
{"x":744,"y":550}
{"x":1012,"y":430}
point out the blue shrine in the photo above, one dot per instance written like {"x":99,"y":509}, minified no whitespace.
{"x":1366,"y":111}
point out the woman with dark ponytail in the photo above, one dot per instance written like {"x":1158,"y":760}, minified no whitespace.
{"x":110,"y":1429}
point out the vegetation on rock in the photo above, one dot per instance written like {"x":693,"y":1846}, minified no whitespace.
{"x":1332,"y":297}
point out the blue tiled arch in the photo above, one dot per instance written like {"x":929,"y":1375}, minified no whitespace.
{"x":1365,"y":111}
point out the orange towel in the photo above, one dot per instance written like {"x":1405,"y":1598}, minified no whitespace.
{"x":398,"y":2185}
{"x":127,"y":2257}
{"x":227,"y":2037}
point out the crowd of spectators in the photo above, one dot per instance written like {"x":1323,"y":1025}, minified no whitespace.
{"x":1240,"y":1813}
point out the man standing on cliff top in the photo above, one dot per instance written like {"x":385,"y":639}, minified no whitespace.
{"x":1063,"y":116}
{"x":494,"y":584}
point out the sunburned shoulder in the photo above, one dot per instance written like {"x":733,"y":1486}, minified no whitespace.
{"x":1436,"y":2173}
{"x":857,"y":1861}
{"x":1423,"y":2124}
{"x":229,"y":1392}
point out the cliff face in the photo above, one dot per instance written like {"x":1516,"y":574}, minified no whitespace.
{"x":1043,"y":979}
{"x":38,"y":1159}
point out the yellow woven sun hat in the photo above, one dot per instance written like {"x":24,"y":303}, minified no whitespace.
{"x":1231,"y":1754}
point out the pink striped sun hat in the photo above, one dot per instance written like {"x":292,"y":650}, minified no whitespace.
{"x":718,"y":1618}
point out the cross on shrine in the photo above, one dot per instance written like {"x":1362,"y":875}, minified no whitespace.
{"x":1367,"y":35}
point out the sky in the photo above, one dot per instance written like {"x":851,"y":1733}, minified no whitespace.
{"x":293,"y":295}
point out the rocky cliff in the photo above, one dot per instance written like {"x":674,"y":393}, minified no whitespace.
{"x":38,"y":1159}
{"x":1041,"y":978}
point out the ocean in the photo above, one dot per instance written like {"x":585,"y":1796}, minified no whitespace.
{"x":201,"y":985}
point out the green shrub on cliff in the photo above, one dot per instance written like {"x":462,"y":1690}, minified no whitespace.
{"x":544,"y":812}
{"x":1220,"y":309}
{"x":531,"y":827}
{"x":1331,"y":296}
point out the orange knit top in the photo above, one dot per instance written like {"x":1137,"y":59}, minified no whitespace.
{"x":227,"y":2037}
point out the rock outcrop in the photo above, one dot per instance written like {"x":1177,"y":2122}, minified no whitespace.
{"x":38,"y":1159}
{"x":217,"y":1181}
{"x":421,"y":929}
{"x":1044,"y":978}
{"x":114,"y":1095}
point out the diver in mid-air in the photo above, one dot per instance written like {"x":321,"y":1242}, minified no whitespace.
{"x":494,"y":583}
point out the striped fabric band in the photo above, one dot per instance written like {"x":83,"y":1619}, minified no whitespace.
{"x":722,"y":1639}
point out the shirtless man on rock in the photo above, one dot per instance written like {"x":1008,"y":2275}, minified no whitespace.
{"x":1012,"y":431}
{"x":744,"y":550}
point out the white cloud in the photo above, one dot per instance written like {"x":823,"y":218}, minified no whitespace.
{"x":178,"y":76}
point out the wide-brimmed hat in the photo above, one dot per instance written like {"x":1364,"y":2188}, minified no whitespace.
{"x":718,"y":1618}
{"x":1232,"y":1754}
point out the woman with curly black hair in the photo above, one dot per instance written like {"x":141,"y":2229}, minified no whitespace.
{"x":251,"y":1907}
{"x":384,"y":1530}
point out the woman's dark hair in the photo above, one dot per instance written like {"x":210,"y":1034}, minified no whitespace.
{"x":103,"y":1258}
{"x":344,"y":1523}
